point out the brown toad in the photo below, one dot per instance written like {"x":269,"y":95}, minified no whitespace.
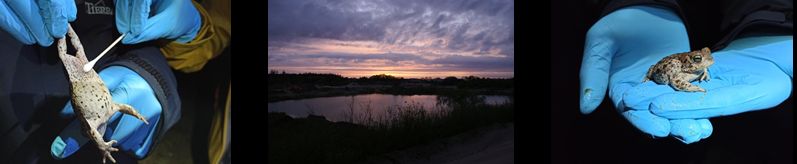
{"x":679,"y":69}
{"x":91,"y":99}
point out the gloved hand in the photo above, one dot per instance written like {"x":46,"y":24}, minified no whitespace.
{"x":751,"y":73}
{"x":131,"y":134}
{"x":169,"y":19}
{"x":619,"y":49}
{"x":37,"y":21}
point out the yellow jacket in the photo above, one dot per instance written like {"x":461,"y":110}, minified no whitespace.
{"x":213,"y":37}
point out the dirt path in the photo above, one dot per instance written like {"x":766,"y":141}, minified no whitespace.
{"x":494,"y":144}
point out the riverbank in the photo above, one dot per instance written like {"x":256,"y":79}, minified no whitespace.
{"x":311,"y":85}
{"x":316,"y":140}
{"x":275,"y":96}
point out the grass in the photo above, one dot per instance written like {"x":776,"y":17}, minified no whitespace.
{"x":316,"y":140}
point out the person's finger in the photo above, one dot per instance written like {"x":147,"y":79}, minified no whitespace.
{"x":71,"y":10}
{"x":705,"y":124}
{"x":148,"y":33}
{"x":690,"y":130}
{"x":13,"y":25}
{"x":595,"y":68}
{"x":721,"y":101}
{"x":777,"y":49}
{"x":122,"y":15}
{"x":140,"y":15}
{"x":55,"y":16}
{"x":733,"y":91}
{"x":648,"y":123}
{"x":31,"y":20}
{"x":169,"y":23}
{"x":68,"y":141}
{"x":640,"y":95}
{"x":131,"y":15}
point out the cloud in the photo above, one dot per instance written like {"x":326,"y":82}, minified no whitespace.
{"x":451,"y":35}
{"x":289,"y":19}
{"x":476,"y":63}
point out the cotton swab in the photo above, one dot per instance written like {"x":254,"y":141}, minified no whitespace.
{"x":90,"y":65}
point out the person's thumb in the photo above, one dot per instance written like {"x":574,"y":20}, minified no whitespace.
{"x":68,"y":142}
{"x":595,"y":68}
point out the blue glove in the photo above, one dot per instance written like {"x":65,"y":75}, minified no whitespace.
{"x":131,"y":134}
{"x":37,"y":22}
{"x":619,"y":49}
{"x":751,"y":73}
{"x":169,"y":19}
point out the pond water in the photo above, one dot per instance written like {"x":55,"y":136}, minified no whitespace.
{"x":336,"y":108}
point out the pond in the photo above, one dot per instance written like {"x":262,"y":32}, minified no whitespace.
{"x":336,"y":108}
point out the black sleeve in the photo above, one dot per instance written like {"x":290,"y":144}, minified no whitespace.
{"x":612,"y":5}
{"x":33,"y":89}
{"x":758,"y":16}
{"x":608,"y":6}
{"x":717,"y":23}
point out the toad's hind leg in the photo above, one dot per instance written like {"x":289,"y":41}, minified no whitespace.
{"x":80,"y":54}
{"x":684,"y":85}
{"x":127,"y":109}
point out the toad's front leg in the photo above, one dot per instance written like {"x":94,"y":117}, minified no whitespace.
{"x":704,"y":76}
{"x":105,"y":147}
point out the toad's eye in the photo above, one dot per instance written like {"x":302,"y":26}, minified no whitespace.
{"x":697,"y":58}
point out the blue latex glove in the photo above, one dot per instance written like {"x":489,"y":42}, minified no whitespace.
{"x":169,"y":19}
{"x":619,"y":49}
{"x":37,"y":21}
{"x":131,"y":134}
{"x":751,"y":73}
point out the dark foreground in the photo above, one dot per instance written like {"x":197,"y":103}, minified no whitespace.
{"x":316,"y":140}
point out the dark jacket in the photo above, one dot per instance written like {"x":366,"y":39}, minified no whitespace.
{"x":716,"y":23}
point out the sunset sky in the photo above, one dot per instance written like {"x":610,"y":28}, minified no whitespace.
{"x":406,"y":38}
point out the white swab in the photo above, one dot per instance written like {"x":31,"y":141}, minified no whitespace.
{"x":90,"y":65}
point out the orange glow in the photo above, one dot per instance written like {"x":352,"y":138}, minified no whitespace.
{"x":367,"y":58}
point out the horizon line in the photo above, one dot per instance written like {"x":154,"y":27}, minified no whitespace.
{"x":394,"y":75}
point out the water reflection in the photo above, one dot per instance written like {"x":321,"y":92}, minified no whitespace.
{"x":340,"y":107}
